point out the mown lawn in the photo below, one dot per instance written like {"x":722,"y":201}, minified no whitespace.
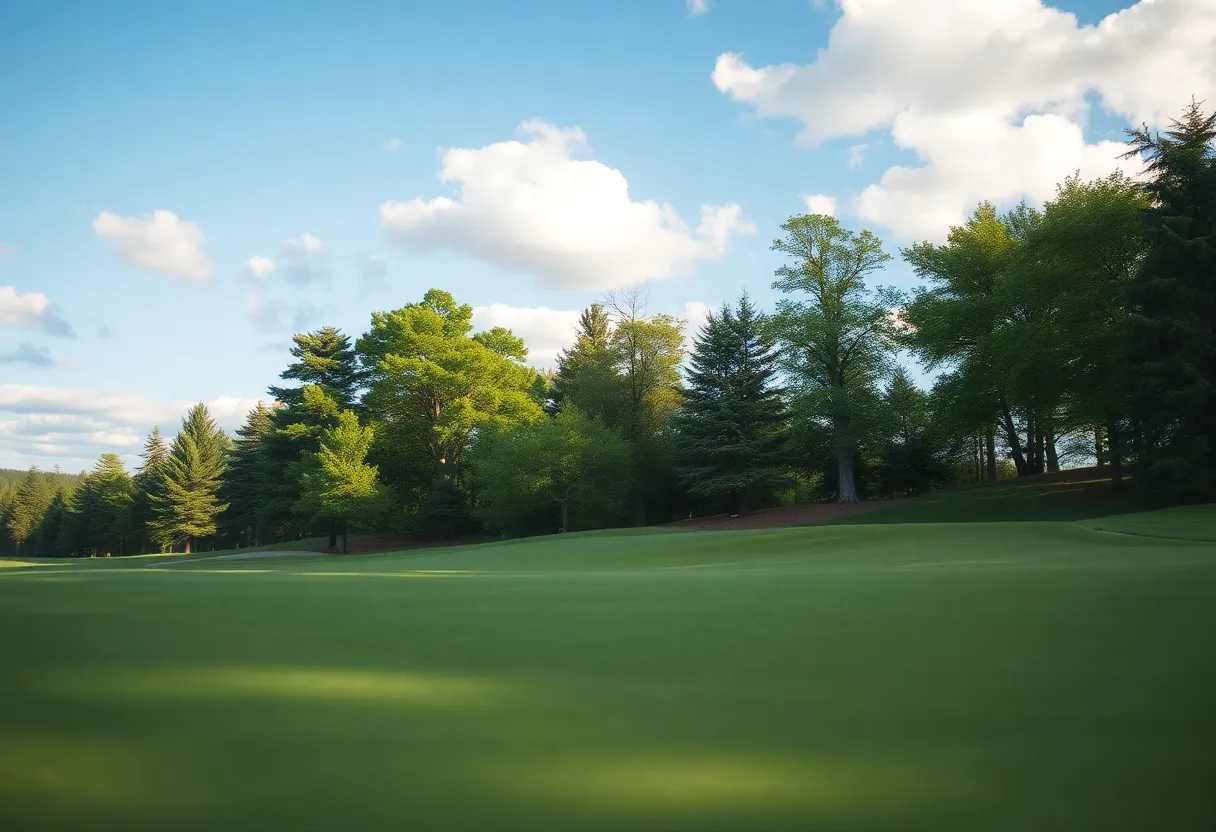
{"x":931,"y":676}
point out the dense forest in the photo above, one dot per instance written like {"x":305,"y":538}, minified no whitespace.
{"x":1082,"y":332}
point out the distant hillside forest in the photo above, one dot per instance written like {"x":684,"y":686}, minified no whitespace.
{"x":1081,"y":332}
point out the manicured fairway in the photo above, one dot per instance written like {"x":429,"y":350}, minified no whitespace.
{"x":970,"y":676}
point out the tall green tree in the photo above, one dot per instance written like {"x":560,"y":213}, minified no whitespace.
{"x":730,"y":432}
{"x":568,"y":472}
{"x":148,"y":481}
{"x":328,"y":370}
{"x":247,"y":478}
{"x":30,"y":502}
{"x":101,"y":516}
{"x":587,"y":374}
{"x":914,"y":455}
{"x":432,"y":383}
{"x":53,"y":521}
{"x":647,"y":350}
{"x":337,"y":483}
{"x":188,"y":504}
{"x":1171,"y":337}
{"x":836,"y":336}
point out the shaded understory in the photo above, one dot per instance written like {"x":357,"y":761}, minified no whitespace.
{"x":965,"y":676}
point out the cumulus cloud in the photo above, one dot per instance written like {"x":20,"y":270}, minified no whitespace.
{"x":160,"y":242}
{"x":545,"y":331}
{"x":532,"y":205}
{"x":73,"y":426}
{"x":857,"y":155}
{"x":820,"y":204}
{"x":258,"y":267}
{"x":32,"y":310}
{"x":697,"y":7}
{"x":989,"y":96}
{"x":27,"y":353}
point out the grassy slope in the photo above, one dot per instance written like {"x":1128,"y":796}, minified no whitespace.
{"x":1184,"y":523}
{"x":1002,"y":676}
{"x":1046,"y":498}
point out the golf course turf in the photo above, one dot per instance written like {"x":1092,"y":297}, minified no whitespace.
{"x":930,"y":676}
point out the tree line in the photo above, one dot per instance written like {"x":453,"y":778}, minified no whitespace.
{"x":1079,"y":332}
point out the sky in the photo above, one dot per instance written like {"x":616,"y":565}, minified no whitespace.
{"x":184,"y":185}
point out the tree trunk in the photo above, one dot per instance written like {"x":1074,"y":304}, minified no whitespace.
{"x":990,"y":442}
{"x":1053,"y":459}
{"x":1015,"y":442}
{"x":333,"y":533}
{"x":345,"y":549}
{"x":189,"y":542}
{"x":741,"y":502}
{"x":565,"y":514}
{"x":846,"y":489}
{"x":1099,"y":447}
{"x":1116,"y":454}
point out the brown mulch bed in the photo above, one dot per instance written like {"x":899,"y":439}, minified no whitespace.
{"x":771,"y":518}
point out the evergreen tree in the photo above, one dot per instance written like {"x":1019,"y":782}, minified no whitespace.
{"x":246,"y":478}
{"x":100,"y":516}
{"x":324,"y":359}
{"x":329,"y":372}
{"x":730,"y":431}
{"x":837,"y":341}
{"x":51,"y":527}
{"x":188,"y":503}
{"x":336,"y":483}
{"x":30,"y":503}
{"x":587,"y":376}
{"x":1170,"y":357}
{"x":913,"y":457}
{"x":149,"y":481}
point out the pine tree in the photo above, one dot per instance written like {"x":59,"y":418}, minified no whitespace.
{"x":188,"y":504}
{"x":587,"y":377}
{"x":51,"y":527}
{"x":731,"y":429}
{"x":337,"y":484}
{"x":324,"y":358}
{"x":148,"y":482}
{"x":30,"y":503}
{"x":245,"y":479}
{"x":328,"y":370}
{"x":1171,"y":341}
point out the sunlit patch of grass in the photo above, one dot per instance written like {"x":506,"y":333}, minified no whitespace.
{"x":678,"y":782}
{"x":317,"y":685}
{"x":70,"y":777}
{"x":20,"y":564}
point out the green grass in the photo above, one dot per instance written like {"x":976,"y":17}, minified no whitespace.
{"x":1012,"y":500}
{"x":966,"y":676}
{"x":1183,"y":523}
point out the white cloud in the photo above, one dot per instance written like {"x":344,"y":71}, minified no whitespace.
{"x":305,"y":242}
{"x":32,"y":310}
{"x":161,"y":243}
{"x":393,"y":145}
{"x":990,"y":96}
{"x":259,"y":267}
{"x":534,"y":207}
{"x":696,"y":313}
{"x":48,"y":425}
{"x":857,"y":155}
{"x":820,"y":204}
{"x":545,"y":331}
{"x":697,"y":7}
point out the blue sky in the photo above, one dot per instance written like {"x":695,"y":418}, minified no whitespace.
{"x":260,"y":124}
